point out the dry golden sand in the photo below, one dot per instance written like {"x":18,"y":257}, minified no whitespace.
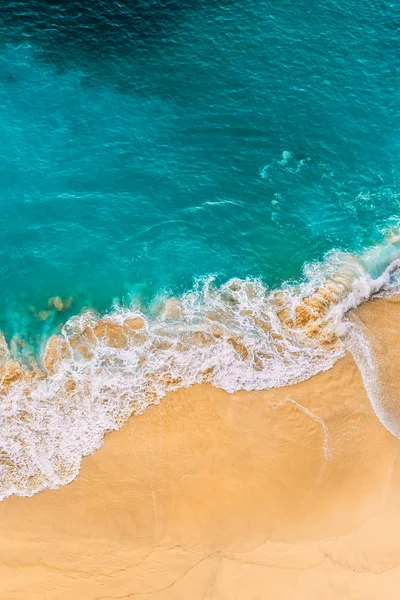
{"x":288,"y":494}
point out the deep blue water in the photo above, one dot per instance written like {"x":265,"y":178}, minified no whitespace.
{"x":145,"y":144}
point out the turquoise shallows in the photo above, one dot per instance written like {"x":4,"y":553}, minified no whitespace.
{"x":141,"y":150}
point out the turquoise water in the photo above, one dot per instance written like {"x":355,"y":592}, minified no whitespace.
{"x":144,"y":145}
{"x":219,"y":179}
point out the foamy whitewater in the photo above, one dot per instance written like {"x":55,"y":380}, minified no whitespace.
{"x":239,"y":336}
{"x":189,"y":192}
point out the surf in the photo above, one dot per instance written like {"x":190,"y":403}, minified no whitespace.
{"x":101,"y":369}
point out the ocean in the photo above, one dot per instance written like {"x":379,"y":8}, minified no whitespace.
{"x":175,"y":181}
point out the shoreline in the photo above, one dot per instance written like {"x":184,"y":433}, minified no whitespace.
{"x":290,"y":492}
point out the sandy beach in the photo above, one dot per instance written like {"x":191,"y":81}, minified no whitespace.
{"x":291,"y":493}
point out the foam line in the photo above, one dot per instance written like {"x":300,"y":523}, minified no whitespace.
{"x":238,"y":336}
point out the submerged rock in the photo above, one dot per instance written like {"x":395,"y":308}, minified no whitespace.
{"x":57,"y":349}
{"x":135,"y":323}
{"x":11,"y":373}
{"x":120,"y":336}
{"x":239,"y":347}
{"x":172,"y":308}
{"x":83,"y":342}
{"x":43,"y":315}
{"x":59,"y":304}
{"x":113,"y":334}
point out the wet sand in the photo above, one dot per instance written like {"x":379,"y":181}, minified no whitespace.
{"x":291,"y":493}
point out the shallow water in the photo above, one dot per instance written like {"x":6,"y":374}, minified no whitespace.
{"x":145,"y":147}
{"x":214,"y":153}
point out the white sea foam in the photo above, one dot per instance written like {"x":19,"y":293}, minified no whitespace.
{"x":359,"y":346}
{"x":238,"y":336}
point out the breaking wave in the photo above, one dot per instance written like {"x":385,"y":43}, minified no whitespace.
{"x":238,"y":336}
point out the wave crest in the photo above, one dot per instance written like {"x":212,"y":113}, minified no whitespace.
{"x":238,"y":336}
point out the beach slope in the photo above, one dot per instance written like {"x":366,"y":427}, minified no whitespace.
{"x":291,"y":493}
